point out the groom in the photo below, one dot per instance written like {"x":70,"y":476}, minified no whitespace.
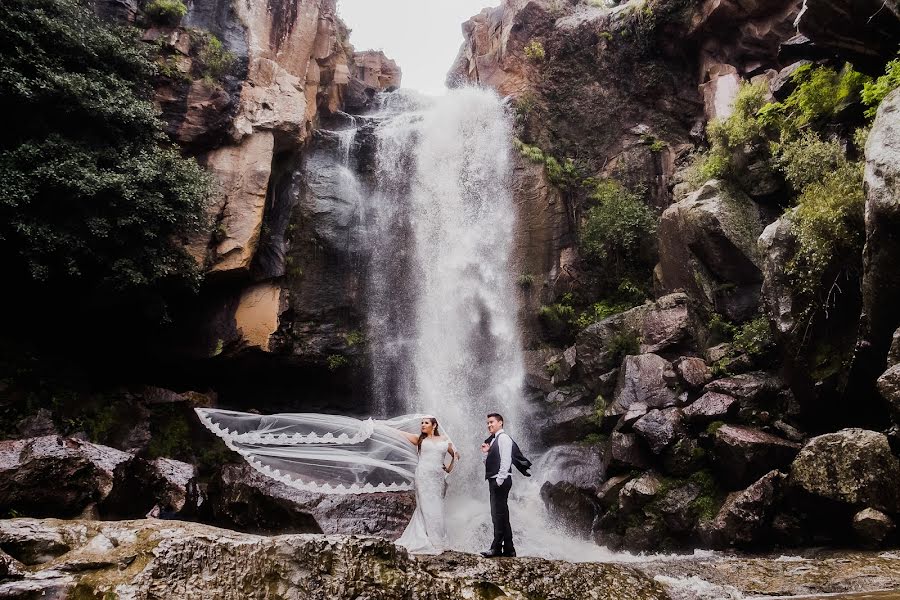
{"x":498,"y":459}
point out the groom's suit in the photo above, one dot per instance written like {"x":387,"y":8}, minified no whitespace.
{"x":497,"y":465}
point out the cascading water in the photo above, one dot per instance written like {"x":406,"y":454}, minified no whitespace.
{"x":439,"y":226}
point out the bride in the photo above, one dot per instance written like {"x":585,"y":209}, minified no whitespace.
{"x":334,"y":454}
{"x":426,"y":532}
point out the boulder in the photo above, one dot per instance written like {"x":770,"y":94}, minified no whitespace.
{"x":644,"y":379}
{"x":692,"y":371}
{"x":711,"y":406}
{"x":608,"y":493}
{"x":241,"y":498}
{"x":745,"y":517}
{"x":639,"y":491}
{"x":889,"y":387}
{"x":666,"y":324}
{"x":708,"y":249}
{"x":893,"y":358}
{"x":580,"y":465}
{"x":661,"y":428}
{"x":783,"y":84}
{"x":862,"y":31}
{"x":777,"y":245}
{"x":33,"y":542}
{"x":55,"y":476}
{"x":852,"y":466}
{"x":755,"y":387}
{"x":626,"y":452}
{"x":571,"y":507}
{"x":678,"y":507}
{"x":743,"y":454}
{"x":37,"y":424}
{"x":683,"y":458}
{"x":171,"y":559}
{"x":569,"y":423}
{"x":872,"y":526}
{"x":140,"y":485}
{"x":881,"y":286}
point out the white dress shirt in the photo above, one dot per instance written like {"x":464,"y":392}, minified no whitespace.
{"x":502,"y":438}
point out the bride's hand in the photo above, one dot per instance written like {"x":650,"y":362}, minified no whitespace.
{"x":448,"y":468}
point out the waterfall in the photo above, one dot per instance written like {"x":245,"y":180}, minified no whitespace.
{"x":438,"y":224}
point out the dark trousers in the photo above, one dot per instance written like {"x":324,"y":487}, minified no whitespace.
{"x":503,"y":542}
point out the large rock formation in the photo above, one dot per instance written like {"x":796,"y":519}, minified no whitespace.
{"x":158,"y":559}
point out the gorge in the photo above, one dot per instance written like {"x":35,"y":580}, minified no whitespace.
{"x":657,"y":235}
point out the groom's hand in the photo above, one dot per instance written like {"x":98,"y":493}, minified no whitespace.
{"x":485,"y":448}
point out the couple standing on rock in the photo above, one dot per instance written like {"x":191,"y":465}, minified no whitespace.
{"x":342,"y":455}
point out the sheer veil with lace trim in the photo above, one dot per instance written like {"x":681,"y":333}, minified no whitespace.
{"x":322,"y":453}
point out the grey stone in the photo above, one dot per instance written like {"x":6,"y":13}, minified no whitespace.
{"x":853,"y":466}
{"x":711,"y":406}
{"x":745,"y":517}
{"x":743,"y":454}
{"x":872,"y":526}
{"x":626,"y":452}
{"x":693,"y":371}
{"x":661,"y":428}
{"x":645,"y":379}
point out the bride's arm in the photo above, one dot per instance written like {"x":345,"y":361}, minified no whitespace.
{"x":454,"y":456}
{"x":410,"y":437}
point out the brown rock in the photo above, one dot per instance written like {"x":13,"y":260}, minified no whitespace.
{"x":608,"y":493}
{"x":709,"y":407}
{"x":754,"y":387}
{"x":639,"y":491}
{"x":661,"y":428}
{"x":666,"y":324}
{"x":375,"y":70}
{"x":627,"y":453}
{"x":692,"y":371}
{"x":745,"y":517}
{"x":646,"y":379}
{"x":889,"y":387}
{"x":872,"y":526}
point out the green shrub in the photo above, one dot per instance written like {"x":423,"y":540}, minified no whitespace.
{"x":625,"y":343}
{"x":216,"y":62}
{"x":531,"y":153}
{"x":165,"y":12}
{"x":828,"y":224}
{"x":821,"y":93}
{"x":741,"y":128}
{"x":617,"y":227}
{"x":525,"y":280}
{"x":534,"y":50}
{"x":355,"y":338}
{"x":93,"y":199}
{"x":808,"y":159}
{"x":336,"y":361}
{"x":556,"y":318}
{"x":874,"y":92}
{"x":754,"y":337}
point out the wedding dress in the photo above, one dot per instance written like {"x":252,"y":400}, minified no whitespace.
{"x":334,"y":454}
{"x":426,"y":533}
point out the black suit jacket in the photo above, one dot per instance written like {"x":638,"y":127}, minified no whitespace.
{"x":518,"y":459}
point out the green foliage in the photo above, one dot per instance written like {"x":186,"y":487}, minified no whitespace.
{"x":714,"y":164}
{"x":874,"y":92}
{"x":617,"y":226}
{"x":828,"y":224}
{"x":215,"y":61}
{"x":808,"y":159}
{"x":552,"y":369}
{"x":165,"y":12}
{"x":719,"y":329}
{"x":626,"y":296}
{"x":556,"y":318}
{"x":170,"y":434}
{"x":708,"y":502}
{"x":821,"y":93}
{"x":534,"y":50}
{"x":741,"y":128}
{"x":593,"y":439}
{"x":91,"y":196}
{"x":713,"y":427}
{"x":526,"y":280}
{"x":754,"y":337}
{"x":860,"y":137}
{"x":563,"y":174}
{"x":355,"y":338}
{"x":336,"y":361}
{"x":625,"y":343}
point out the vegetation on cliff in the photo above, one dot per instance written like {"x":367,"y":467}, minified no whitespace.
{"x":93,"y":198}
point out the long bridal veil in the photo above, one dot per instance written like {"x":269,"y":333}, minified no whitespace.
{"x":322,"y":453}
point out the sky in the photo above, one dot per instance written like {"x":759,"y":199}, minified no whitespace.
{"x":423,"y":36}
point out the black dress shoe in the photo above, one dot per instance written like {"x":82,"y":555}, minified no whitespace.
{"x":509,"y":554}
{"x":491,"y":554}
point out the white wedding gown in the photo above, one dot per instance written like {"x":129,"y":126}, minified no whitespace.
{"x":427,"y":531}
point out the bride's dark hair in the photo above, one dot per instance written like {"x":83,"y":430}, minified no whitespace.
{"x":424,"y":435}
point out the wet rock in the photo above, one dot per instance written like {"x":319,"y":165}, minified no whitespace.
{"x":881,"y":286}
{"x":783,"y":83}
{"x":162,"y":559}
{"x":536,"y":376}
{"x":862,"y":31}
{"x":693,"y":371}
{"x":893,"y":358}
{"x":872,"y":526}
{"x":639,"y":491}
{"x":626,"y":452}
{"x":711,"y":406}
{"x":645,"y":379}
{"x":241,"y":498}
{"x":569,"y":424}
{"x":683,"y":457}
{"x":581,"y":465}
{"x":743,"y":454}
{"x":661,"y":428}
{"x":708,"y":240}
{"x":55,"y":476}
{"x":571,"y":506}
{"x":608,"y":494}
{"x":852,"y":466}
{"x":745,"y":516}
{"x":635,"y":412}
{"x":777,"y":244}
